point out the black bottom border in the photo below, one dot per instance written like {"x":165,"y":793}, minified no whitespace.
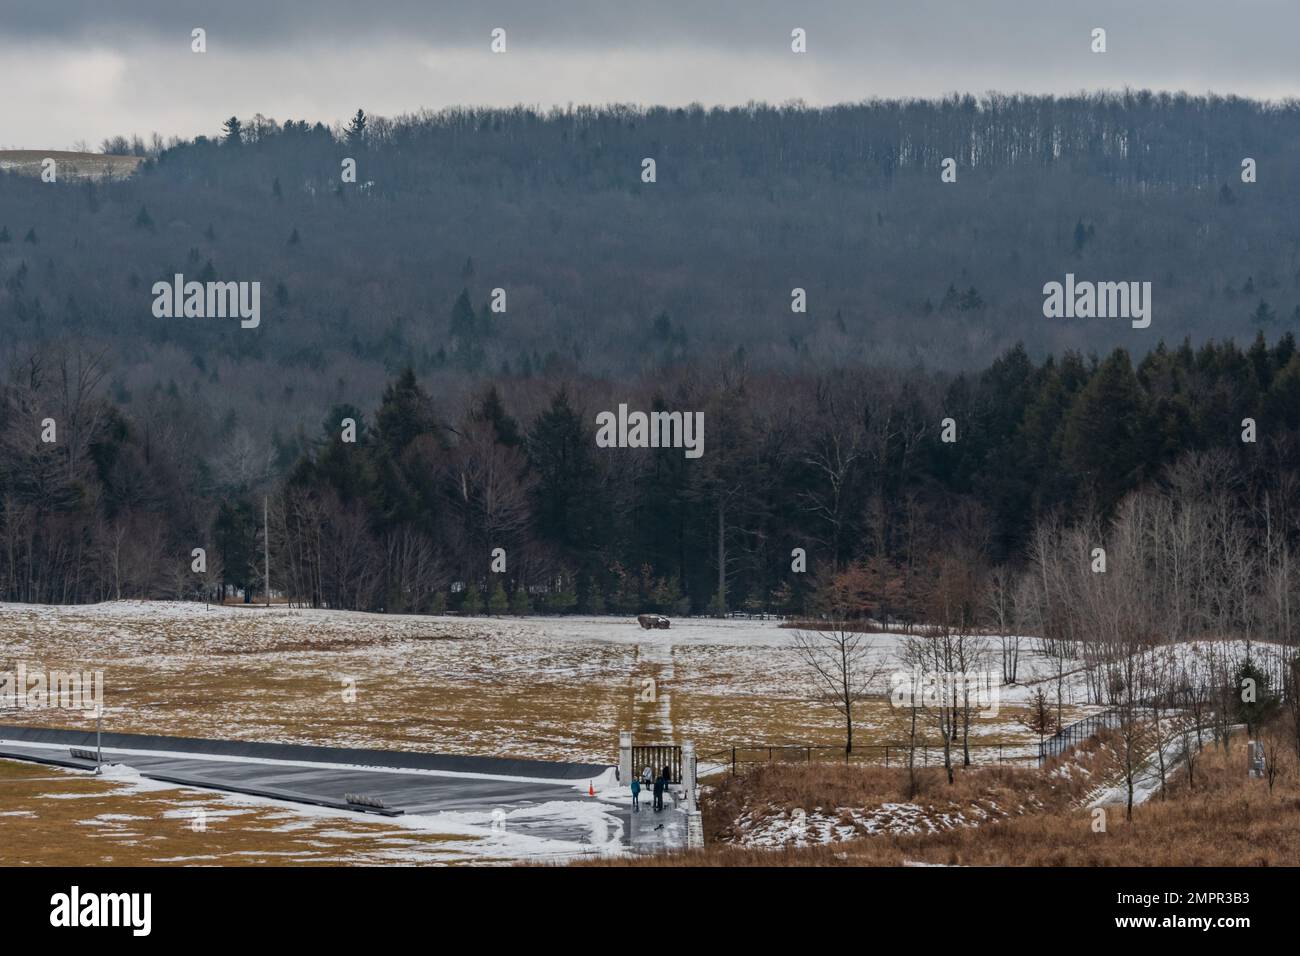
{"x":603,"y":906}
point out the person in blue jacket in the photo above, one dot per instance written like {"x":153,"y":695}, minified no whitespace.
{"x":636,"y":794}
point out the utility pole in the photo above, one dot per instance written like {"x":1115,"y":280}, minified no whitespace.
{"x":266,"y":542}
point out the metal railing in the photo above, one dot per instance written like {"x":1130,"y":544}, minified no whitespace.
{"x":883,"y":755}
{"x":656,"y":757}
{"x":1079,"y":731}
{"x":1075,"y":733}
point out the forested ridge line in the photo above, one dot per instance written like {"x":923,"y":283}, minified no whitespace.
{"x":851,"y":466}
{"x":608,"y":276}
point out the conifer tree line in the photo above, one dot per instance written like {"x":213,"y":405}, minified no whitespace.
{"x":1052,"y":459}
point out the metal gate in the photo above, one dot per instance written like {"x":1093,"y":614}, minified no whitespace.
{"x":656,"y":757}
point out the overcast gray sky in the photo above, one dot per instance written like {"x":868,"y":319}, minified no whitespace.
{"x":85,"y":69}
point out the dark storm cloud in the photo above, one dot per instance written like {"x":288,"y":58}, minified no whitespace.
{"x":1226,"y":30}
{"x":86,"y":68}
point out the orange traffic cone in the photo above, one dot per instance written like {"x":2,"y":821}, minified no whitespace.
{"x":591,"y":790}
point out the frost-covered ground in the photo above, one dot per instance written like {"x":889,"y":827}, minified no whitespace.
{"x":545,"y":687}
{"x":538,"y":687}
{"x":59,"y":817}
{"x":71,"y":165}
{"x":820,"y":826}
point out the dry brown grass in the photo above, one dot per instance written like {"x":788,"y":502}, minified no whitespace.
{"x":52,"y":817}
{"x":778,"y":789}
{"x":440,"y":684}
{"x":71,"y":165}
{"x":1227,"y":819}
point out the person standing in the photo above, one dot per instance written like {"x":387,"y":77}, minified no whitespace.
{"x":659,"y":794}
{"x":636,"y":795}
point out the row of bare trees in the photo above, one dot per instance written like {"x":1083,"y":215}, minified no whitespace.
{"x":1176,"y":614}
{"x":939,"y":674}
{"x":1198,"y":557}
{"x":327,"y":556}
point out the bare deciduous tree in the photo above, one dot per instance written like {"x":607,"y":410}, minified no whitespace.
{"x":843,"y":668}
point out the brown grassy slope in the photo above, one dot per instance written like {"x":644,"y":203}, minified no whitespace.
{"x":1227,"y":819}
{"x":53,"y":817}
{"x":70,"y":165}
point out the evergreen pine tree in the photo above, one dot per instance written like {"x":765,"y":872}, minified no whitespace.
{"x":498,"y":602}
{"x":473,"y":601}
{"x":562,"y":599}
{"x":1105,"y":439}
{"x":1282,"y":404}
{"x":492,"y":411}
{"x":568,"y":502}
{"x":405,"y":412}
{"x":462,"y":317}
{"x":1253,"y":696}
{"x":356,"y":129}
{"x":1263,"y":316}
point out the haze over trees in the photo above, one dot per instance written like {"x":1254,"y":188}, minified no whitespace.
{"x":610,"y":277}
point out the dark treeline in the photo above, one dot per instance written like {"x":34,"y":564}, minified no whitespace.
{"x":849,"y":464}
{"x":610,"y":277}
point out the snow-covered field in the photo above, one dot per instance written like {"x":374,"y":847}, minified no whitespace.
{"x":556,"y":688}
{"x":70,"y":165}
{"x":52,"y":816}
{"x":543,"y":687}
{"x":536,"y":687}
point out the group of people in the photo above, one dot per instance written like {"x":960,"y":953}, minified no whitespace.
{"x":659,"y":786}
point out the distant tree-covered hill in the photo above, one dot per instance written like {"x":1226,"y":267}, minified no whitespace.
{"x":608,"y":276}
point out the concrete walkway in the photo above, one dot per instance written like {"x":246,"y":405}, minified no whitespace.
{"x":231,"y":766}
{"x":650,"y":832}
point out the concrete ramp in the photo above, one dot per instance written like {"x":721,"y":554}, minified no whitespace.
{"x":396,"y":759}
{"x":549,"y":801}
